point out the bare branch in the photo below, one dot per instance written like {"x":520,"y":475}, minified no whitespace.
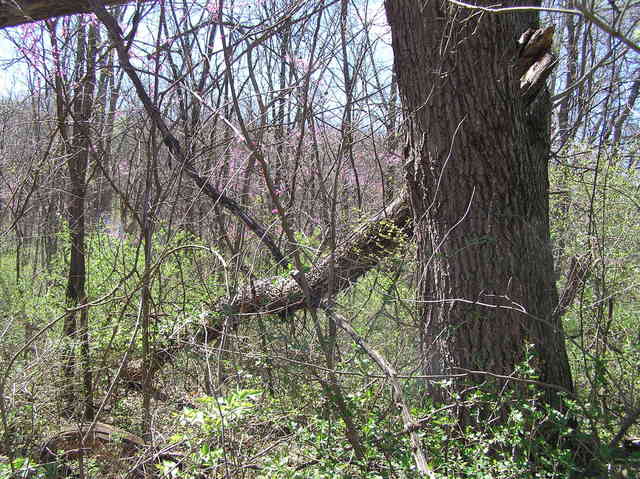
{"x":407,"y":419}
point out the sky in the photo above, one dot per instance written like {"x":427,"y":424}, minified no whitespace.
{"x":8,"y":75}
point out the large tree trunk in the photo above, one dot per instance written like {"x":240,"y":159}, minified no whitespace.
{"x":478,"y":184}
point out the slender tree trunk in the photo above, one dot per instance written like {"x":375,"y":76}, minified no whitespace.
{"x":346,"y":142}
{"x":76,"y":323}
{"x":107,"y":96}
{"x":478,"y":185}
{"x":391,"y":143}
{"x":564,"y":128}
{"x":625,"y":114}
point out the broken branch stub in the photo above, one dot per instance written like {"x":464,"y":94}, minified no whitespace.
{"x":535,"y":61}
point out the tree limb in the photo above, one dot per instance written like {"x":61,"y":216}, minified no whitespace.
{"x":17,"y":12}
{"x":578,"y":271}
{"x":376,"y":239}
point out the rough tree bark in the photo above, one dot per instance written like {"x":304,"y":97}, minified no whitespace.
{"x":478,"y":183}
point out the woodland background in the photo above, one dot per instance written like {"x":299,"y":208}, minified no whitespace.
{"x":156,"y":296}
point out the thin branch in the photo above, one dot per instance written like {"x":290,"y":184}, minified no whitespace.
{"x":533,"y":382}
{"x":584,"y":77}
{"x":407,"y":419}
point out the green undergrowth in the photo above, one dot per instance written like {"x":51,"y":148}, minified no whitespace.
{"x":273,"y":438}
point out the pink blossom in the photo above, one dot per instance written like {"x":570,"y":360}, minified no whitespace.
{"x":91,"y":19}
{"x":299,"y":63}
{"x":30,"y":41}
{"x":249,"y":3}
{"x":213,"y":8}
{"x":392,"y":158}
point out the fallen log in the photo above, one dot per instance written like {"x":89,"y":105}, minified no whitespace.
{"x":374,"y":240}
{"x":70,"y":442}
{"x":379,"y":237}
{"x":105,"y":443}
